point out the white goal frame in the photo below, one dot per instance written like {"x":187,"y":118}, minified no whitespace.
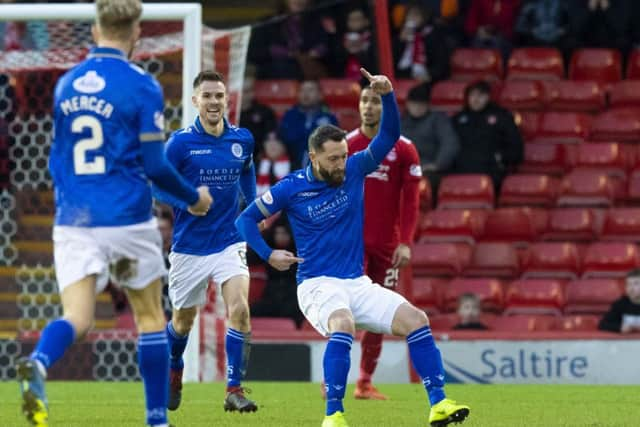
{"x":189,"y":13}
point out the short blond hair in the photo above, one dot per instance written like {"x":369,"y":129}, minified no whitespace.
{"x":116,"y":18}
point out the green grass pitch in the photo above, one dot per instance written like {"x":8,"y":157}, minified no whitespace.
{"x":97,"y":404}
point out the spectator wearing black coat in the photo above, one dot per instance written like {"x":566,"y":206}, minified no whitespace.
{"x":260,"y":119}
{"x":624,"y":314}
{"x":490,"y":142}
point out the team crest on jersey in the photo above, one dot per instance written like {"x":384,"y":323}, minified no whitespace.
{"x":236,"y":149}
{"x":392,"y":156}
{"x":91,"y":82}
{"x":158,"y":120}
{"x":267,"y":198}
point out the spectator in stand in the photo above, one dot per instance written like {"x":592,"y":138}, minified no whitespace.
{"x":258,"y":118}
{"x":490,"y":142}
{"x":301,"y":119}
{"x":420,"y":49}
{"x":280,"y":295}
{"x":490,"y":24}
{"x":298,"y":44}
{"x":432,"y":133}
{"x":357,"y":48}
{"x":546,"y":23}
{"x":624,"y":314}
{"x":274,"y":164}
{"x":603,"y":23}
{"x":469,"y":313}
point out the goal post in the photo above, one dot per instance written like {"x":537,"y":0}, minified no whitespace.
{"x":189,"y":13}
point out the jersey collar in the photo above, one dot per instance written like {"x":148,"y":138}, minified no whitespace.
{"x":197,"y":124}
{"x":309,"y":174}
{"x":107,"y":52}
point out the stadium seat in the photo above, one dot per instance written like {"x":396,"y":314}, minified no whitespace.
{"x":278,"y":94}
{"x":466,"y":192}
{"x":490,"y":291}
{"x":535,"y":63}
{"x":522,"y":95}
{"x":571,"y":224}
{"x":528,"y":122}
{"x":581,"y":322}
{"x":543,"y":159}
{"x":493,"y":260}
{"x":512,"y":225}
{"x":426,"y":293}
{"x":401,"y":87}
{"x":519,"y":323}
{"x":437,"y":259}
{"x":476,"y":64}
{"x":272,"y":324}
{"x":552,"y":260}
{"x":570,"y":95}
{"x":620,"y":124}
{"x":340,"y":93}
{"x":586,"y":188}
{"x":528,"y":190}
{"x":452,"y":225}
{"x":621,"y":224}
{"x":563,"y":127}
{"x":592,"y":295}
{"x":448,"y":95}
{"x":443,"y":322}
{"x":603,"y":65}
{"x":633,"y":187}
{"x":258,"y":282}
{"x":625,"y":93}
{"x":610,"y":259}
{"x":535,"y":296}
{"x":633,"y":65}
{"x":607,"y":157}
{"x":348,"y":118}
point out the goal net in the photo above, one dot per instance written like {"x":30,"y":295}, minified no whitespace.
{"x":36,"y":53}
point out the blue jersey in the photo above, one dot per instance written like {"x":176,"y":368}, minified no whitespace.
{"x":327,"y":222}
{"x":225,"y":165}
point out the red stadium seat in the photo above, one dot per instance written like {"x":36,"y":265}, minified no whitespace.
{"x":592,"y":295}
{"x":476,"y":64}
{"x":543,"y":159}
{"x":401,"y":87}
{"x":528,"y":190}
{"x":586,"y":188}
{"x":633,"y":65}
{"x":426,"y":293}
{"x":272,"y":324}
{"x":607,"y":157}
{"x":552,"y":260}
{"x":493,"y":260}
{"x":620,"y":124}
{"x":535,"y":63}
{"x":452,"y":225}
{"x":584,"y":322}
{"x":610,"y":259}
{"x":466,"y":191}
{"x":277,"y":92}
{"x":621,"y":224}
{"x":512,"y":225}
{"x":535,"y":296}
{"x":522,"y":95}
{"x":448,"y":95}
{"x":528,"y":122}
{"x":569,"y":95}
{"x":490,"y":291}
{"x":340,"y":93}
{"x":603,"y":65}
{"x":633,"y":189}
{"x":625,"y":94}
{"x":563,"y":127}
{"x":437,"y":259}
{"x":258,"y":282}
{"x":571,"y":224}
{"x":523,"y":323}
{"x":348,"y":118}
{"x":443,"y":322}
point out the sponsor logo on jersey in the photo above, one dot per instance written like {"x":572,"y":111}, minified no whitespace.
{"x":392,"y":156}
{"x":91,"y":82}
{"x":200,"y":152}
{"x":308,"y":194}
{"x":267,"y":198}
{"x":415,"y":170}
{"x":236,"y":149}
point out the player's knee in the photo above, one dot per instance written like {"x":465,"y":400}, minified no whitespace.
{"x":342,"y":321}
{"x":408,"y":319}
{"x":182,"y":320}
{"x":239,"y":314}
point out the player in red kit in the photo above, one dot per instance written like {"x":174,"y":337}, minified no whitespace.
{"x":391,"y":213}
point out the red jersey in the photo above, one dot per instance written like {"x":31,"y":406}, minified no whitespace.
{"x":393,"y":185}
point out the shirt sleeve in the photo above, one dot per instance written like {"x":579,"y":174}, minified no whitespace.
{"x":410,"y":208}
{"x":275,"y":199}
{"x":168,"y":185}
{"x":151,"y":111}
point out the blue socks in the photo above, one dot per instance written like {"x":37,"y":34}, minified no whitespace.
{"x":153,"y":362}
{"x":54,"y":341}
{"x":427,"y":360}
{"x":177,"y":344}
{"x":336,"y":364}
{"x":234,"y":346}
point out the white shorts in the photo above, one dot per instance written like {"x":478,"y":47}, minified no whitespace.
{"x":131,"y":254}
{"x":372,"y":306}
{"x":189,"y":274}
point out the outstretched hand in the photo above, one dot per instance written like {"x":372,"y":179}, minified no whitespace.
{"x":379,"y":83}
